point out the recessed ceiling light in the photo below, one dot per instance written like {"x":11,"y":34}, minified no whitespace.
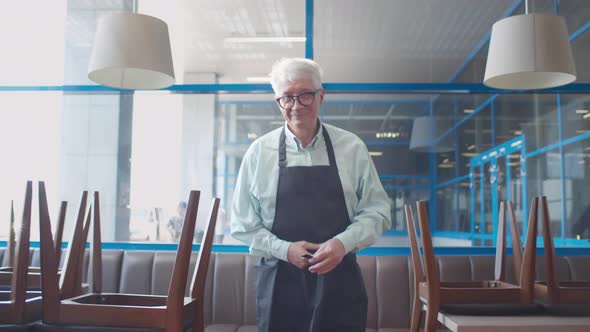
{"x":582,"y":111}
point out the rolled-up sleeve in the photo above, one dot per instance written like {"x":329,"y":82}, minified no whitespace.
{"x":246,"y":219}
{"x":372,"y":213}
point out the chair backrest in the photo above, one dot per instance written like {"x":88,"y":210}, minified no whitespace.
{"x":516,"y":243}
{"x":70,"y":283}
{"x":414,"y":249}
{"x":430,"y":265}
{"x":202,"y":264}
{"x":72,"y":274}
{"x":59,"y":228}
{"x":432,"y":276}
{"x":179,"y":276}
{"x":499,"y":269}
{"x":18,"y":288}
{"x":500,"y":258}
{"x":95,"y":266}
{"x":550,"y":256}
{"x":527,"y":276}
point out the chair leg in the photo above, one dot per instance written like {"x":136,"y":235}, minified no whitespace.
{"x":416,"y":315}
{"x":199,"y":319}
{"x":431,"y":317}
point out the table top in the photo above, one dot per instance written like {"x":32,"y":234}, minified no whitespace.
{"x":524,"y":323}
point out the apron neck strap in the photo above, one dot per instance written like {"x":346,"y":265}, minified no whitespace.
{"x":283,"y":148}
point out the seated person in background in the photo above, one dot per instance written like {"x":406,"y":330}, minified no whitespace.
{"x":175,"y":223}
{"x":581,"y":227}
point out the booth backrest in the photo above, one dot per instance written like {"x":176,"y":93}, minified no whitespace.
{"x":230,"y":295}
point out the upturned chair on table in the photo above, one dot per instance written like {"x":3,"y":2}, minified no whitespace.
{"x":433,"y":295}
{"x":553,"y":292}
{"x":99,"y":311}
{"x":33,"y":273}
{"x":22,"y":305}
{"x":19,"y":306}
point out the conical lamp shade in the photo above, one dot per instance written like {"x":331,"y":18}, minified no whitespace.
{"x":131,"y":51}
{"x":425,"y":130}
{"x":529,"y":52}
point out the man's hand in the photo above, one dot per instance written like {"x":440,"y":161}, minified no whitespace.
{"x":300,"y":252}
{"x":328,"y":256}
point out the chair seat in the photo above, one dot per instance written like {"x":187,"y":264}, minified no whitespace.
{"x":493,"y":309}
{"x":475,"y":292}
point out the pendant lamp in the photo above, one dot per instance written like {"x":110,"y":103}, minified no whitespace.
{"x":131,"y":51}
{"x":426,"y":129}
{"x":530,"y":51}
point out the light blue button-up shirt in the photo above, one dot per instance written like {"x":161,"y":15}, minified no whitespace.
{"x":253,"y":208}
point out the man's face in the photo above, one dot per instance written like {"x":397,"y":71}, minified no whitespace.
{"x":299,"y":116}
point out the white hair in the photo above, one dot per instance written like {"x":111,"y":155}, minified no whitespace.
{"x":294,"y":69}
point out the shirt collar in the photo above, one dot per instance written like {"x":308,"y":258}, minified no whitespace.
{"x":292,"y":140}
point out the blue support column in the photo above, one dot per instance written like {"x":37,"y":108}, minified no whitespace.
{"x":482,"y":204}
{"x":523,"y":179}
{"x":494,"y":174}
{"x":561,"y":164}
{"x":508,"y":179}
{"x":432,"y":158}
{"x":457,"y":191}
{"x":471,"y":202}
{"x":309,"y":29}
{"x":492,"y":114}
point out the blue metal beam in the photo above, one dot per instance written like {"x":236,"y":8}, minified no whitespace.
{"x":543,"y":150}
{"x":381,"y":88}
{"x":371,"y":251}
{"x":452,"y":181}
{"x":580,"y":31}
{"x":465,"y":118}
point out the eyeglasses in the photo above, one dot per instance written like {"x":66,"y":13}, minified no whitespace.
{"x":304,"y":99}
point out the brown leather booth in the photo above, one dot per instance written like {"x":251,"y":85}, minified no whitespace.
{"x":230,"y":296}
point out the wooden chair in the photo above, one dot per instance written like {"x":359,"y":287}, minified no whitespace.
{"x":434,"y":295}
{"x":19,"y":306}
{"x":34,"y":273}
{"x":552,"y":292}
{"x":127,"y":312}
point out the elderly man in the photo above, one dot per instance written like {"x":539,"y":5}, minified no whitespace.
{"x":307,"y":197}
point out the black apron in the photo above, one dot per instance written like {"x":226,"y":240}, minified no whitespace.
{"x":310,"y":206}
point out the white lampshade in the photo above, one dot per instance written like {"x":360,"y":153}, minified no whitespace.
{"x":529,"y":52}
{"x":131,"y":51}
{"x":428,"y":128}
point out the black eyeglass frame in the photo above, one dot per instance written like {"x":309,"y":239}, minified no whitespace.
{"x":291,"y":99}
